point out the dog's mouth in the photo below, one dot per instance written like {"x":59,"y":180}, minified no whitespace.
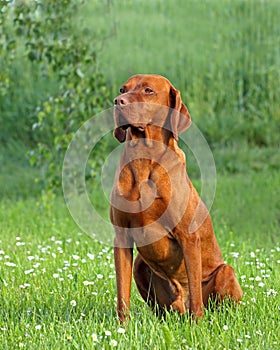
{"x":134,"y":127}
{"x":124,"y":121}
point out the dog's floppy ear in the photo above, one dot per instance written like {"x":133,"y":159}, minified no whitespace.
{"x":120,"y":134}
{"x":180,"y":118}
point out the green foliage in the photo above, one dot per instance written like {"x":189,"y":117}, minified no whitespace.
{"x":227,"y":69}
{"x":59,"y":50}
{"x":22,"y":85}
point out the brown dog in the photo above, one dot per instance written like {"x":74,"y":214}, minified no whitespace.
{"x":155,"y":206}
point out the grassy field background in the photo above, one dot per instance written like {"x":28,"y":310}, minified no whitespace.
{"x":57,"y":284}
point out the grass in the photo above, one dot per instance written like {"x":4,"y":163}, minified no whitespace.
{"x":58,"y":291}
{"x":58,"y":284}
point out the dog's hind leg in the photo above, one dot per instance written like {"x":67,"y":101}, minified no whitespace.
{"x":222,"y":283}
{"x":155,"y":290}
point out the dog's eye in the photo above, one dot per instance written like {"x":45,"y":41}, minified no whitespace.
{"x":122,"y":90}
{"x":148,"y":90}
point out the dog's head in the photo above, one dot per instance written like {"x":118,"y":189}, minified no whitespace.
{"x":148,"y":99}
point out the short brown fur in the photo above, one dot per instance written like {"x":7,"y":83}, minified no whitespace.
{"x":180,"y":266}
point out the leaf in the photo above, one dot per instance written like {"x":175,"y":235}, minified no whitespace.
{"x":79,"y":73}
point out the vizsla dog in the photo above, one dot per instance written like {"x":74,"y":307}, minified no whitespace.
{"x":154,"y":206}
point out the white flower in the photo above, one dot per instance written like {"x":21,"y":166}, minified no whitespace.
{"x":30,"y":257}
{"x":113,"y":342}
{"x":87,"y":283}
{"x":261,"y":284}
{"x":253,"y":255}
{"x":8,"y":263}
{"x":55,"y":275}
{"x":258,"y":278}
{"x":75,"y":257}
{"x":239,"y":340}
{"x":38,"y":326}
{"x":247,"y":336}
{"x":54,"y":255}
{"x":225,"y":327}
{"x":73,"y":303}
{"x":271,"y":292}
{"x":2,"y":252}
{"x":99,"y":276}
{"x":94,"y":337}
{"x":90,"y":256}
{"x":121,"y":330}
{"x":108,"y":333}
{"x":27,"y":272}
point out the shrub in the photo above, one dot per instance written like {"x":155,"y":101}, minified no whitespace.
{"x":59,"y":49}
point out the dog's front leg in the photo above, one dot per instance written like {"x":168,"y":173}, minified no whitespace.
{"x":192,"y":255}
{"x":123,"y":264}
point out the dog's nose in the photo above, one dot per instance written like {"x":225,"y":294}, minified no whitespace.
{"x":120,"y":101}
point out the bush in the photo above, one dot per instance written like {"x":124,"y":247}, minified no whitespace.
{"x":60,"y":52}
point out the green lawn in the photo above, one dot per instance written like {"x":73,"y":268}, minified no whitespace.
{"x":58,"y":284}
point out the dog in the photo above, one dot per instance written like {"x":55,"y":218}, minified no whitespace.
{"x":155,"y":207}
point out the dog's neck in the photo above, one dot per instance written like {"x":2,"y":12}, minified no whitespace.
{"x":151,"y":142}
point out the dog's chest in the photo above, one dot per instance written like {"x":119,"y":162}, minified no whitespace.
{"x":143,"y":181}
